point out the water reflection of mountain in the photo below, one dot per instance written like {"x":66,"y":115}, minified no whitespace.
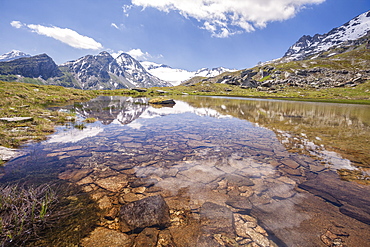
{"x":342,"y":128}
{"x":124,"y":110}
{"x":107,"y":109}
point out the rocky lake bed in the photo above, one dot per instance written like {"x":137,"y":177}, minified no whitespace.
{"x":209,"y":173}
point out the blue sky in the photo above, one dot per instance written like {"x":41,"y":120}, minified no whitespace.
{"x":187,"y":34}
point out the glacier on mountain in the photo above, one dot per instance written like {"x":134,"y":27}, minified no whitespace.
{"x":12,"y":55}
{"x":177,"y":76}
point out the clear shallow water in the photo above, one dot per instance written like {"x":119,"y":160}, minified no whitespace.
{"x":281,"y":163}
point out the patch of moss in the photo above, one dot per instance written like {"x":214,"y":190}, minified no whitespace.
{"x":90,"y":120}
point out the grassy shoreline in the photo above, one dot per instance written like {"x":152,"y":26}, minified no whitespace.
{"x":29,"y":100}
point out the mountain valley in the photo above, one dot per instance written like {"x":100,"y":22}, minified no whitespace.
{"x":339,"y":58}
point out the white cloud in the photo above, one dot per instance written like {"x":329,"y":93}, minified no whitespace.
{"x":126,"y":9}
{"x":138,"y":54}
{"x":16,"y":24}
{"x":119,"y":27}
{"x":75,"y":135}
{"x":224,"y":18}
{"x":115,"y":54}
{"x":65,"y":35}
{"x":114,"y":25}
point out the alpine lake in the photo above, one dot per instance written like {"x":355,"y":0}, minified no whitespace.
{"x":207,"y":171}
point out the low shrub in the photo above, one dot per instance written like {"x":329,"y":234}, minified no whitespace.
{"x":24,"y":212}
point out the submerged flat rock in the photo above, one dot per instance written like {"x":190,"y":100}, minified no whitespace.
{"x":106,"y":238}
{"x":351,"y":198}
{"x":7,"y":154}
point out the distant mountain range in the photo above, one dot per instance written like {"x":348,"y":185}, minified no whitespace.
{"x":100,"y":71}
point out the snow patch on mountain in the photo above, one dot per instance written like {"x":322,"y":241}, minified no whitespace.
{"x":12,"y":55}
{"x":177,"y":76}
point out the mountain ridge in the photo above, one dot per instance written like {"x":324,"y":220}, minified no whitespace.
{"x":102,"y":71}
{"x":98,"y":72}
{"x":40,"y":66}
{"x":345,"y":35}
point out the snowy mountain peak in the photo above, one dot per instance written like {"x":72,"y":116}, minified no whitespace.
{"x":102,"y":71}
{"x":104,"y":54}
{"x":129,"y":63}
{"x":12,"y":55}
{"x":307,"y":45}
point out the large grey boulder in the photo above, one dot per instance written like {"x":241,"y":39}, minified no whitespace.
{"x":150,"y":211}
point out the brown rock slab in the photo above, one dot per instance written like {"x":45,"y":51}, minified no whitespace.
{"x":197,"y":144}
{"x":123,"y":166}
{"x":240,"y":202}
{"x":239,"y":180}
{"x":216,"y":219}
{"x":104,"y":237}
{"x":281,"y":191}
{"x":291,"y":171}
{"x":186,"y":235}
{"x":55,"y":154}
{"x":202,"y":174}
{"x":217,"y":223}
{"x":74,"y":175}
{"x":165,"y":239}
{"x":114,"y":184}
{"x":104,"y":203}
{"x":85,"y":180}
{"x":132,"y":145}
{"x":143,"y":182}
{"x":290,"y":163}
{"x":148,"y":237}
{"x":131,"y":197}
{"x":244,"y":231}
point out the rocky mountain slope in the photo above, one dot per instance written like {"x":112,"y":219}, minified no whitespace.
{"x":177,"y":76}
{"x":102,"y":71}
{"x":345,"y":35}
{"x":40,"y":66}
